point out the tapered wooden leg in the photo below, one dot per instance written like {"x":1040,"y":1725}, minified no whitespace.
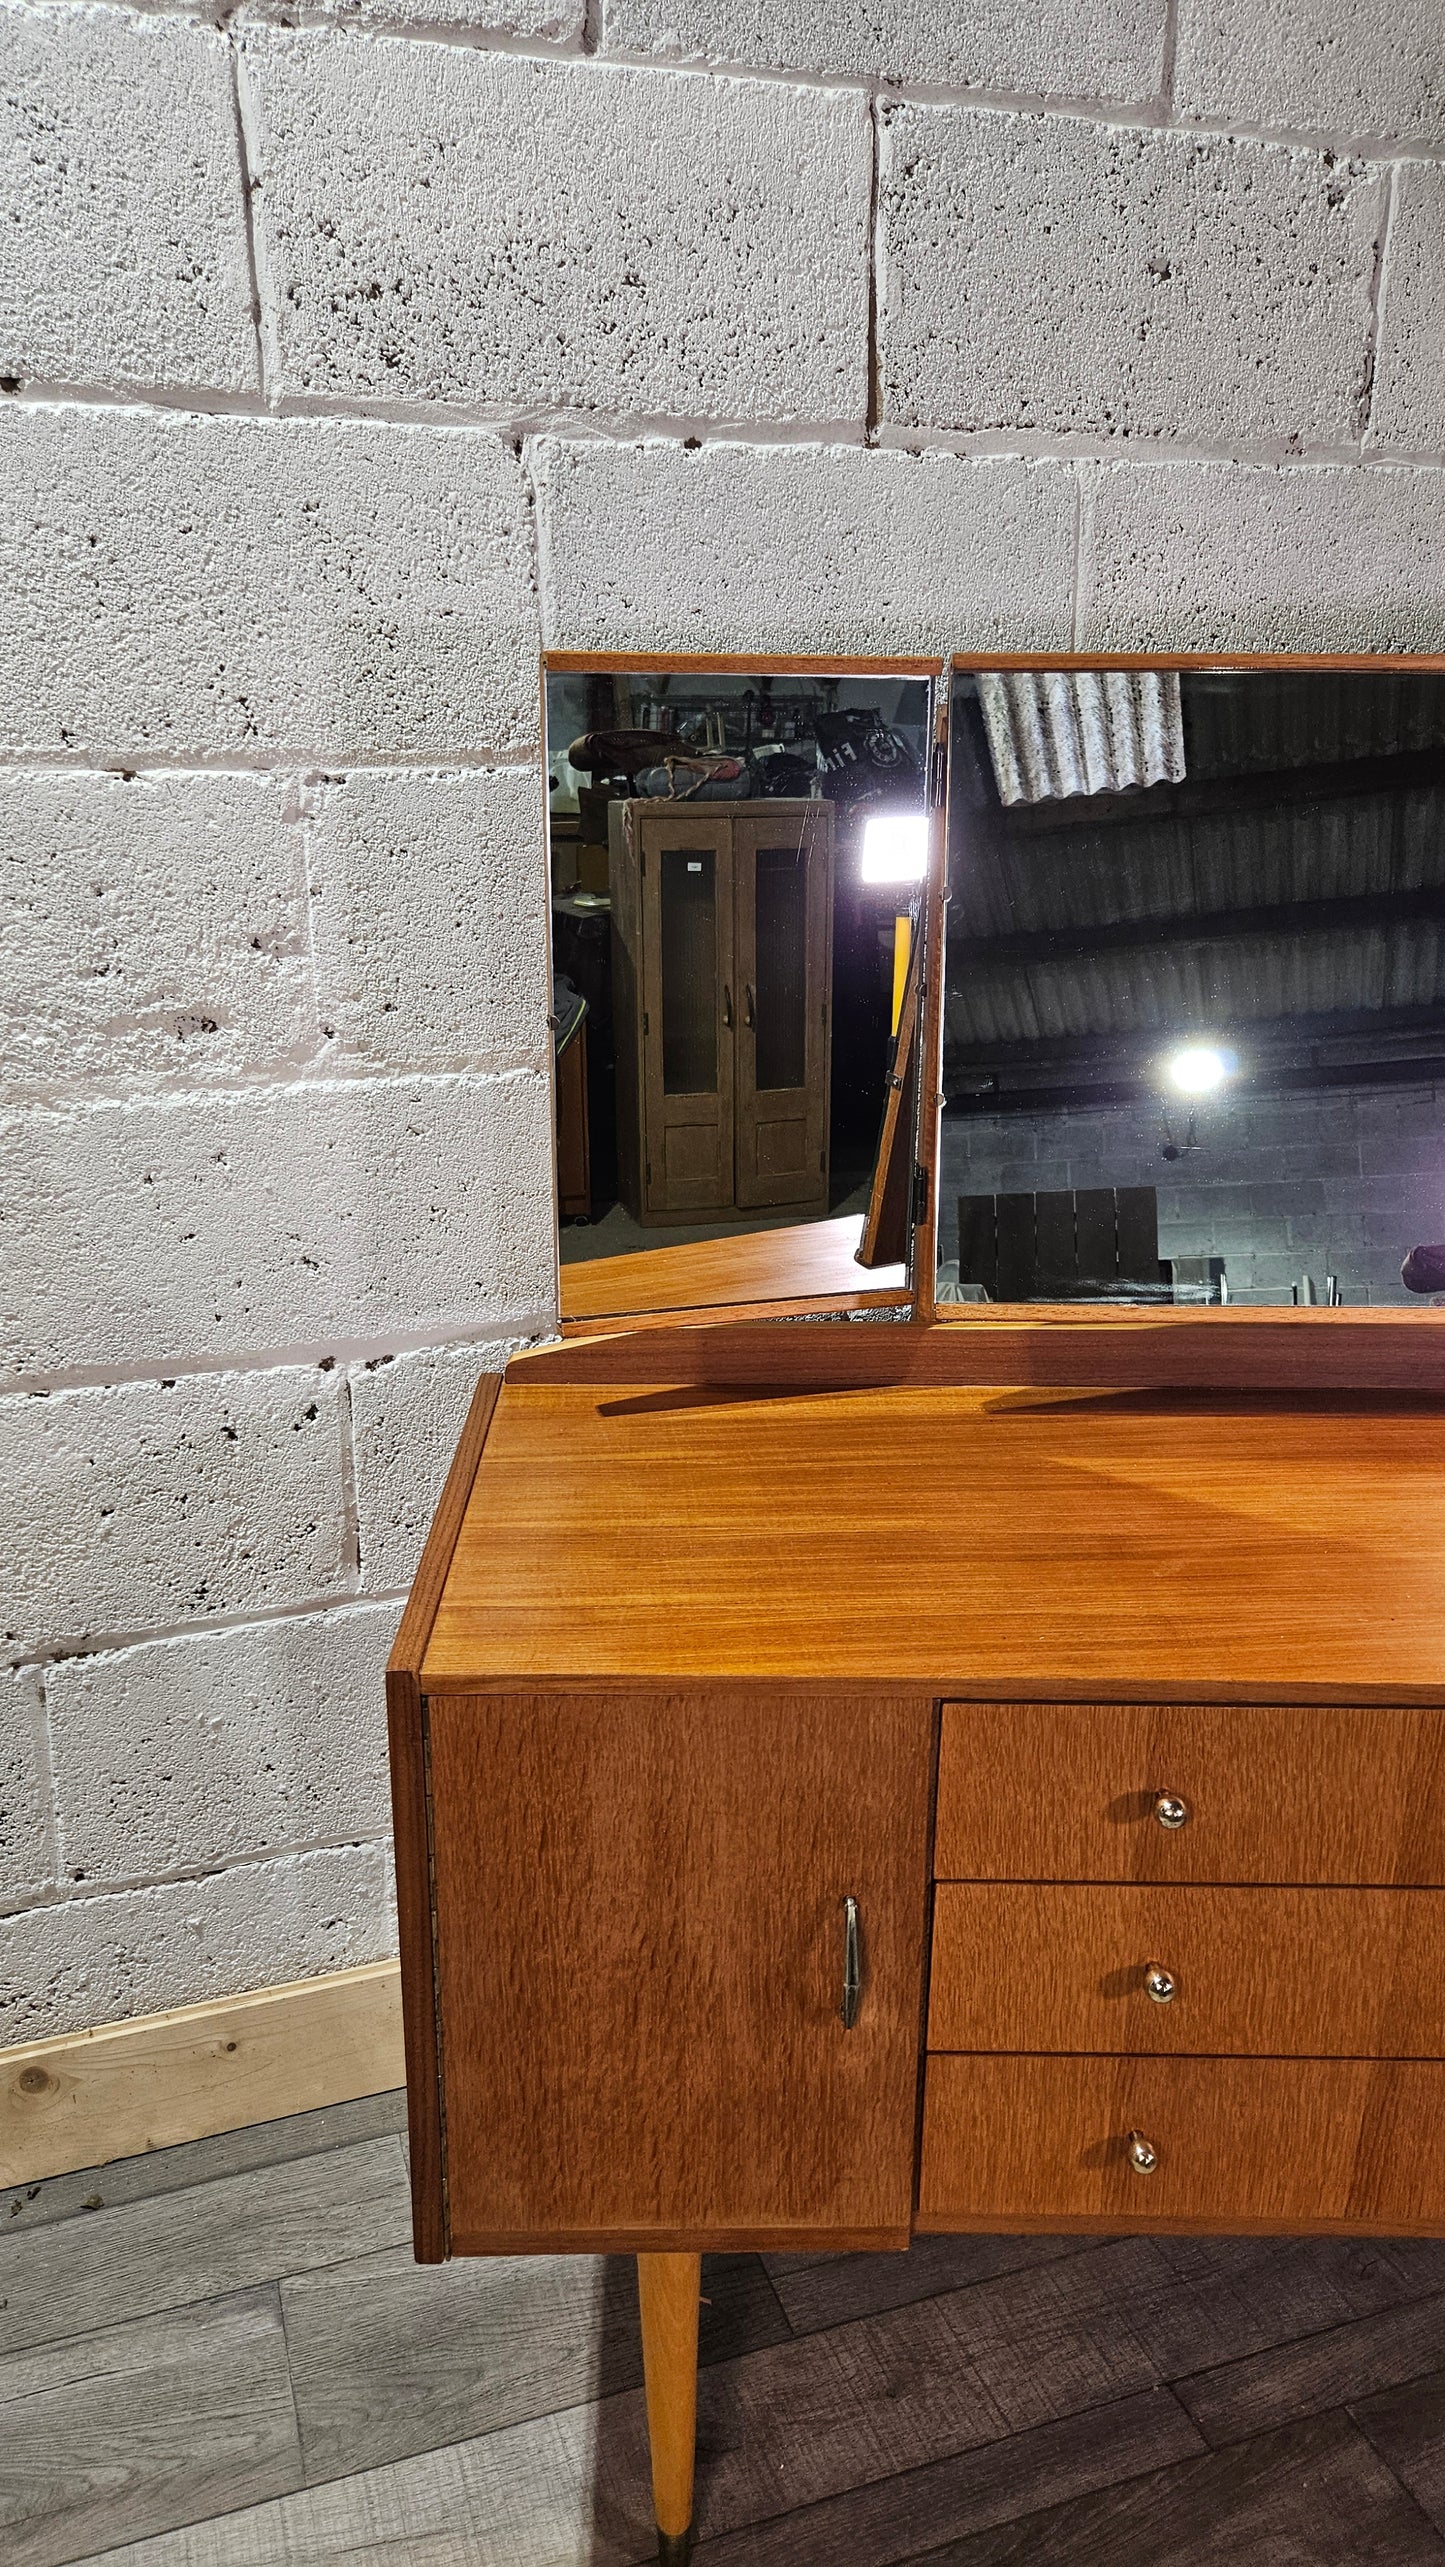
{"x":669,"y":2288}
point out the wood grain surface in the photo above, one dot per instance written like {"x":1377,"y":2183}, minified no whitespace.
{"x":197,"y":2070}
{"x":640,"y":1941}
{"x":1286,"y":1973}
{"x":1066,"y":1792}
{"x":1065,"y":1346}
{"x":964,"y":1542}
{"x":1242,"y":2144}
{"x":810,"y":1261}
{"x":406,"y":1723}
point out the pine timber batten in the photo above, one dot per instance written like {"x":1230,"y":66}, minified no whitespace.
{"x":1245,"y":1350}
{"x":124,"y":2088}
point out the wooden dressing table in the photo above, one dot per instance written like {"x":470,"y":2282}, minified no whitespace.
{"x":854,"y":1781}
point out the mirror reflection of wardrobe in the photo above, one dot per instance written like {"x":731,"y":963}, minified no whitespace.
{"x":739,"y":852}
{"x":722,"y":979}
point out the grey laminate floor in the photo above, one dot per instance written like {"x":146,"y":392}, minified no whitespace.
{"x":223,"y":2356}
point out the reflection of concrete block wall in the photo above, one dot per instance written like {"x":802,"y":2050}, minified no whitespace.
{"x":341,"y":368}
{"x":1280,"y":1187}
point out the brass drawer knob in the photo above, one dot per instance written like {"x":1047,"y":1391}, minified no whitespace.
{"x":1171,"y":1811}
{"x":1143,"y":2156}
{"x":1160,"y":1983}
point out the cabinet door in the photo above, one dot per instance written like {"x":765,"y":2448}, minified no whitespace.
{"x":640,"y":1952}
{"x":688,"y":1009}
{"x":784,"y":951}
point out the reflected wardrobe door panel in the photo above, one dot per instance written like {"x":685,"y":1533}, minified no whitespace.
{"x":688,"y":1003}
{"x":784,"y":896}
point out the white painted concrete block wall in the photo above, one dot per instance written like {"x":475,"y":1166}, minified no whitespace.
{"x":349,"y":352}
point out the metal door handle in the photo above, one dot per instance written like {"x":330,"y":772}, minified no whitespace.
{"x":852,"y":1967}
{"x":749,"y":1010}
{"x":727,"y":1005}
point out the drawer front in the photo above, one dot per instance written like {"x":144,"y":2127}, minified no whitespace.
{"x":1238,"y":2144}
{"x":1270,"y":1792}
{"x":1289,"y":1973}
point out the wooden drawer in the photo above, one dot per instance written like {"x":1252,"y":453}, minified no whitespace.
{"x":1292,"y":2144}
{"x":1262,"y":1972}
{"x":1274,"y":1792}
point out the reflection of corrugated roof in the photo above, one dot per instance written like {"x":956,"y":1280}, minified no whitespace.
{"x":1233,"y":897}
{"x":1183,"y":986}
{"x":1290,"y":718}
{"x":1053,"y":733}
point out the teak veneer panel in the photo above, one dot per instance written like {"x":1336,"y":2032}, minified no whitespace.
{"x":1259,"y":1973}
{"x":640,"y":1941}
{"x":1066,"y":1792}
{"x":969,"y":1541}
{"x":801,"y":1261}
{"x":1303,"y":2145}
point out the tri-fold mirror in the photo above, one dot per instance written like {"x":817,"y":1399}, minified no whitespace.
{"x":884,"y":987}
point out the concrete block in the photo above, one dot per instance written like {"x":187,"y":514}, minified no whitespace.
{"x":125,"y":238}
{"x":1363,"y":68}
{"x":186,"y":584}
{"x":443,"y":224}
{"x":1052,"y":277}
{"x":1295,"y":557}
{"x":27,"y":1843}
{"x":151,"y":928}
{"x":189,"y":1752}
{"x":406,"y":1414}
{"x":1112,"y":51}
{"x":133,"y":1508}
{"x":86,"y":1961}
{"x":835,"y":549}
{"x":1409,"y":404}
{"x":547,"y":22}
{"x":323,"y":1216}
{"x":429,"y":902}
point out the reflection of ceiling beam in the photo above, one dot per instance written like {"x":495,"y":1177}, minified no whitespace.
{"x":1359,"y":1047}
{"x":1422,"y":1027}
{"x":1201,"y":794}
{"x":1373,"y":909}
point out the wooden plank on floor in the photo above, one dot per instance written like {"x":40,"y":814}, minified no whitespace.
{"x":1330,"y":2370}
{"x":115,"y":2265}
{"x":1315,"y":2493}
{"x":831,"y":2290}
{"x":907,"y":2517}
{"x":1407,"y":2428}
{"x":198,"y":2161}
{"x":568,"y":2491}
{"x":117,"y":2434}
{"x":389,"y":2357}
{"x":127,"y":2087}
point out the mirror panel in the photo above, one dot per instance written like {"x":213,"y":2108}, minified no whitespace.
{"x":737,"y":860}
{"x":1194,"y":988}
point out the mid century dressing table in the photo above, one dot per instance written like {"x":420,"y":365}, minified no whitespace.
{"x":858,"y":1781}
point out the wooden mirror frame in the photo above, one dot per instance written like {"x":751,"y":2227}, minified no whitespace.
{"x":1228,"y":1348}
{"x":693,"y":1299}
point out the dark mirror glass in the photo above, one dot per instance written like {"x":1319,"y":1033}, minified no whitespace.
{"x":1194,"y":1014}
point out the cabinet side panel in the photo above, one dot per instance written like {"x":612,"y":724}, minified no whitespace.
{"x":641,"y":1952}
{"x":405,"y":1719}
{"x":406,"y":1722}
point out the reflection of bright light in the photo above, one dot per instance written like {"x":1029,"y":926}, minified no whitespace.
{"x":1199,"y":1069}
{"x":895,"y":847}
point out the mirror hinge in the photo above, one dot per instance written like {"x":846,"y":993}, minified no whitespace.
{"x":920,"y":1192}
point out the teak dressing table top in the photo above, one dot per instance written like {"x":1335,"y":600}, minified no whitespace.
{"x":983,"y":1542}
